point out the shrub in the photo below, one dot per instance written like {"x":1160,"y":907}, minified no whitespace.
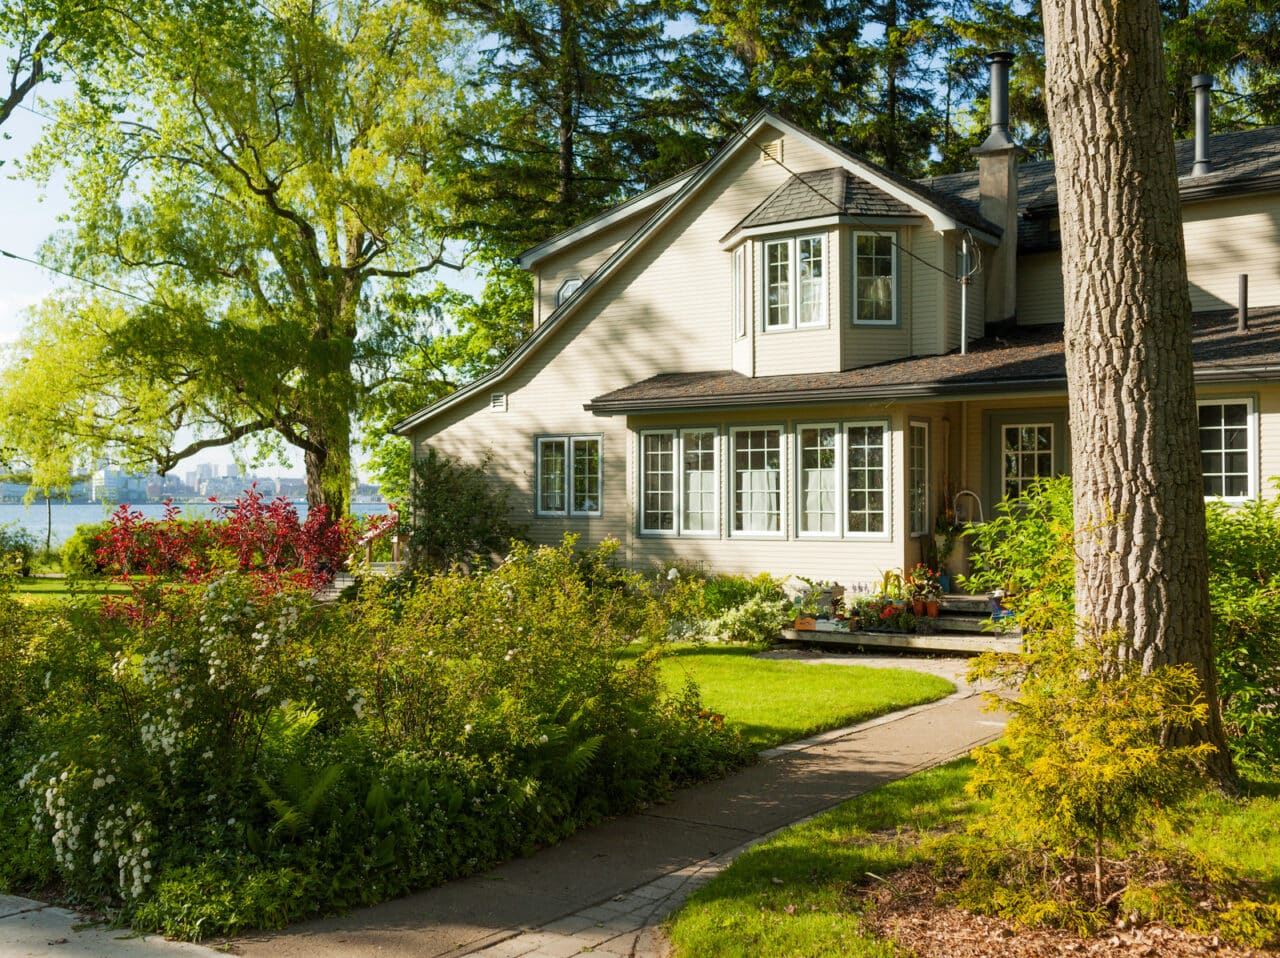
{"x":1028,"y":550}
{"x":725,"y":592}
{"x":757,"y":621}
{"x":237,"y":759}
{"x":1086,"y":759}
{"x":458,"y":514}
{"x":80,"y":551}
{"x":17,"y":546}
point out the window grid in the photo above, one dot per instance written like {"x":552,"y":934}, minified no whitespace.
{"x":586,"y":476}
{"x":1026,"y":455}
{"x":817,"y":483}
{"x":757,"y":481}
{"x":658,"y":511}
{"x":918,"y":478}
{"x":866,"y":505}
{"x":569,"y":476}
{"x":1225,"y":448}
{"x":700,"y":507}
{"x":875,"y":280}
{"x":777,"y":278}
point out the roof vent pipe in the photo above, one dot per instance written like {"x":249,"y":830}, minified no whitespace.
{"x":999,"y":61}
{"x":1242,"y":310}
{"x":1202,"y":84}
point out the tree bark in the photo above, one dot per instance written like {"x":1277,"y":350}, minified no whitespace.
{"x":1135,"y":459}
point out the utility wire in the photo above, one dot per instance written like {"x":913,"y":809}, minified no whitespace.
{"x":840,"y":207}
{"x":85,"y":280}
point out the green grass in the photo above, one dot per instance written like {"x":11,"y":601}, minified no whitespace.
{"x":61,"y":588}
{"x":770,"y":702}
{"x":791,"y":896}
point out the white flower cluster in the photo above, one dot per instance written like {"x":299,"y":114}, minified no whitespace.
{"x":60,"y":809}
{"x":357,"y":700}
{"x":308,"y":665}
{"x":159,"y":733}
{"x":159,"y":666}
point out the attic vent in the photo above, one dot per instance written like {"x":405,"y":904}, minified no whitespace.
{"x":771,"y":152}
{"x":498,"y":402}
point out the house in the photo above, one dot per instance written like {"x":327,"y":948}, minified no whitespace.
{"x":771,"y":362}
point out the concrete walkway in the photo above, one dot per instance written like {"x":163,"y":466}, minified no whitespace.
{"x":606,"y":890}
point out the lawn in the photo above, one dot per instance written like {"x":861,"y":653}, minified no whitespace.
{"x":795,"y":894}
{"x":61,"y":587}
{"x":770,"y":702}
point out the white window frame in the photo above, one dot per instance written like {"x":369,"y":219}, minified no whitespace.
{"x":886,"y":472}
{"x":895,"y":278}
{"x":1004,"y":462}
{"x":792,"y":244}
{"x":923,"y":529}
{"x":678,"y":520}
{"x":568,"y":442}
{"x":798,"y":483}
{"x":1251,"y":438}
{"x":738,"y":293}
{"x":569,"y":286}
{"x":731,"y":477}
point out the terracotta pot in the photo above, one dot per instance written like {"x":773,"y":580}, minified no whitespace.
{"x":806,"y":624}
{"x":917,"y":606}
{"x":931,"y":608}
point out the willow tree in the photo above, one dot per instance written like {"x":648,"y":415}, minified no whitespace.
{"x":1135,"y":463}
{"x":256,"y":203}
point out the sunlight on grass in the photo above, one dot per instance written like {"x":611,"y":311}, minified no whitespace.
{"x":790,"y":895}
{"x":61,"y":588}
{"x":772,"y":702}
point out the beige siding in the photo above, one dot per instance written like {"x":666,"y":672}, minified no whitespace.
{"x":580,"y":260}
{"x":1226,"y":238}
{"x":975,"y":305}
{"x":867,"y":345}
{"x":923,"y":298}
{"x":780,"y":352}
{"x":1039,"y":289}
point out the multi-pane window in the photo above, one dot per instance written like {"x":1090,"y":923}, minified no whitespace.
{"x":698,"y":482}
{"x":738,"y":294}
{"x":569,"y":476}
{"x":1026,"y":455}
{"x":868,"y":478}
{"x":757,"y":481}
{"x":918,"y":477}
{"x":586,"y":476}
{"x":818,"y":480}
{"x":679,"y":482}
{"x":795,"y":286}
{"x":875,"y":285}
{"x":1225,"y":448}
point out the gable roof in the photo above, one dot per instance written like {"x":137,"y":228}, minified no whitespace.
{"x":941,"y":211}
{"x":1243,"y":162}
{"x":1020,"y":359}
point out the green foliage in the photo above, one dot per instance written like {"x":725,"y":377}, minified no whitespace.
{"x":17,"y":546}
{"x":757,"y":621}
{"x":1089,"y":757}
{"x":1244,"y":589}
{"x":458,"y":513}
{"x":724,"y":592}
{"x":80,"y":551}
{"x":1028,"y":550}
{"x":231,"y":760}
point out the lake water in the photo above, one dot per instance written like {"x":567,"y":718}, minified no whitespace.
{"x":67,"y":515}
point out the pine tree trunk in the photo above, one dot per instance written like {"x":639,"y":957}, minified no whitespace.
{"x":1134,"y":436}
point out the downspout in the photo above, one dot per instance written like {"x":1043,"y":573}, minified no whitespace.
{"x":964,"y":296}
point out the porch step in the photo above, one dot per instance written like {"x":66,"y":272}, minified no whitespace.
{"x":956,"y":602}
{"x":966,"y":642}
{"x":968,"y":623}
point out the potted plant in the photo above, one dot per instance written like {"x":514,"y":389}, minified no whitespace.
{"x":925,"y":590}
{"x":807,"y":606}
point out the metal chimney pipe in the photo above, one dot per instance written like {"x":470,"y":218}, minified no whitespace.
{"x":999,"y":61}
{"x":1242,"y":314}
{"x":1202,"y":84}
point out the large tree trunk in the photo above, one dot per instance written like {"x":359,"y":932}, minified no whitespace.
{"x":1134,"y":439}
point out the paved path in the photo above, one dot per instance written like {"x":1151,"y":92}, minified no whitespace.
{"x":608,"y":888}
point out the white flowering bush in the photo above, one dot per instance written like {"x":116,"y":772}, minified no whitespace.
{"x":757,"y":621}
{"x":228,"y":760}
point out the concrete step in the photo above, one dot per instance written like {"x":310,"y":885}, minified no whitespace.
{"x":955,"y":602}
{"x":967,"y":642}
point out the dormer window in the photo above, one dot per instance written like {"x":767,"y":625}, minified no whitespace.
{"x":875,"y":279}
{"x":795,"y":286}
{"x":567,"y":289}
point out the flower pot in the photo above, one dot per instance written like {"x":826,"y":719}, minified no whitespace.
{"x":917,"y":607}
{"x":931,"y":608}
{"x":805,"y":624}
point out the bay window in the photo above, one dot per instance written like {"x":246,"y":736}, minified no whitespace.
{"x":757,"y":481}
{"x":875,"y":279}
{"x":795,"y":286}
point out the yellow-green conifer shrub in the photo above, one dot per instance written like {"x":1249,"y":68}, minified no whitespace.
{"x":1086,"y":766}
